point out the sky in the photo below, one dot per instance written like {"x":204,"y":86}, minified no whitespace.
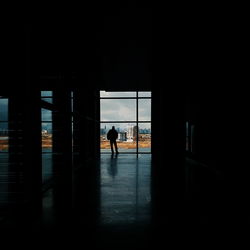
{"x":3,"y":109}
{"x":125,"y":109}
{"x":3,"y":114}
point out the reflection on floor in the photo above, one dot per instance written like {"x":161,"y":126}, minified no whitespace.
{"x":128,"y":151}
{"x":125,"y":189}
{"x":109,"y":208}
{"x":114,"y":204}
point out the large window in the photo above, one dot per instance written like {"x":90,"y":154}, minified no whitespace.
{"x":130,"y":113}
{"x":4,"y":124}
{"x":4,"y":149}
{"x":47,"y":137}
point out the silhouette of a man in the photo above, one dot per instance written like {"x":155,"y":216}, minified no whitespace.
{"x":112,"y":136}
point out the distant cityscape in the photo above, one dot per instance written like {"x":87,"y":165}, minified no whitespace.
{"x":47,"y":128}
{"x":129,"y":133}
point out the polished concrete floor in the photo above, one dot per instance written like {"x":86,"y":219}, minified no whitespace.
{"x":111,"y":204}
{"x":114,"y":205}
{"x":125,"y":201}
{"x":125,"y":189}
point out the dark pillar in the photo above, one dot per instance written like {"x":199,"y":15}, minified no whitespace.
{"x":16,"y":154}
{"x":168,"y":148}
{"x":86,"y":176}
{"x":32,"y":146}
{"x":89,"y":112}
{"x":76,"y":127}
{"x":32,"y":130}
{"x":62,"y":152}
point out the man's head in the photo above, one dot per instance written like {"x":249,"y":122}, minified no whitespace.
{"x":113,"y":127}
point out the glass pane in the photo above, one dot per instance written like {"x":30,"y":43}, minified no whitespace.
{"x":4,"y":149}
{"x":117,"y":94}
{"x":126,"y":141}
{"x":144,"y":144}
{"x":4,"y":139}
{"x":47,"y":149}
{"x":144,"y":94}
{"x":4,"y":109}
{"x":46,"y":93}
{"x":144,"y":109}
{"x":46,"y":137}
{"x":46,"y":115}
{"x":49,"y":100}
{"x":118,"y":110}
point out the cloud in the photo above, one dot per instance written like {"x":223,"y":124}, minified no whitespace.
{"x":144,"y":110}
{"x":3,"y":109}
{"x":46,"y":115}
{"x":118,"y":110}
{"x":47,"y":126}
{"x":125,"y":110}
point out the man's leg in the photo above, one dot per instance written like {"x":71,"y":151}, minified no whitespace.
{"x":111,"y":146}
{"x":116,"y":149}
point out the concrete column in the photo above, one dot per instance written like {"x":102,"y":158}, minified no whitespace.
{"x":168,"y":151}
{"x":62,"y":150}
{"x":31,"y":116}
{"x":16,"y":153}
{"x":76,"y":127}
{"x":32,"y":146}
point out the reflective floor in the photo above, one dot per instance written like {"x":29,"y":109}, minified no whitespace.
{"x":125,"y":201}
{"x":111,"y":209}
{"x":114,"y":205}
{"x":125,"y":189}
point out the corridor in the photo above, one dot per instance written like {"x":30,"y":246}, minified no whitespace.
{"x":118,"y":211}
{"x":125,"y":189}
{"x":125,"y":208}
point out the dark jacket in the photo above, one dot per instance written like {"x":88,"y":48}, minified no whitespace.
{"x":112,"y":135}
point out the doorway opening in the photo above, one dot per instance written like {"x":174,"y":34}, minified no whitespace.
{"x":130,"y":114}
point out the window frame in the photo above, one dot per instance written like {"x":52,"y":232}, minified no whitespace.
{"x":137,"y":121}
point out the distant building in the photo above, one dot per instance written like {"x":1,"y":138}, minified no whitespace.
{"x":144,"y":131}
{"x":122,"y":136}
{"x":103,"y":131}
{"x":130,"y":133}
{"x":44,"y":132}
